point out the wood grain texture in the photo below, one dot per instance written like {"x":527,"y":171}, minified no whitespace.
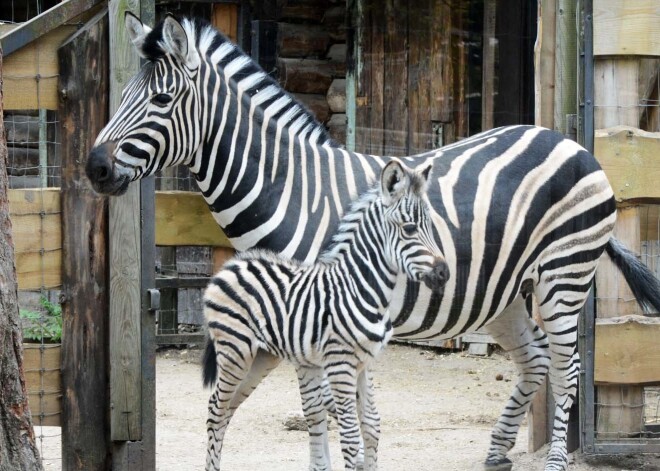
{"x":629,"y":157}
{"x":225,"y":18}
{"x":544,"y":65}
{"x":83,"y":61}
{"x":125,"y":348}
{"x":626,"y":350}
{"x":624,"y":27}
{"x":183,"y":218}
{"x":22,"y":91}
{"x":616,"y":93}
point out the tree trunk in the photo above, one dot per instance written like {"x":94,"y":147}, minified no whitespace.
{"x":17,"y":446}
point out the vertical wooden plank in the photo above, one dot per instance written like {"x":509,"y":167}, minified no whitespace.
{"x":460,"y":71}
{"x":361,"y":63}
{"x":83,"y":79}
{"x":124,"y":219}
{"x":376,"y":61}
{"x":544,"y":64}
{"x":421,"y":29}
{"x":391,"y":106}
{"x":488,"y":66}
{"x":565,"y":65}
{"x":225,"y":18}
{"x":441,"y":86}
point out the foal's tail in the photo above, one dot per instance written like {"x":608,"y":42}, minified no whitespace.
{"x":209,"y":364}
{"x":643,"y":283}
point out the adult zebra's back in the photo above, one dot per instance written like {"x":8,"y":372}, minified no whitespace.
{"x":518,"y":211}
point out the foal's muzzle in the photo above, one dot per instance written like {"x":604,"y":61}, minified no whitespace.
{"x":437,"y":277}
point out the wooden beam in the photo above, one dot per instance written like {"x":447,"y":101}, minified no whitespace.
{"x":19,"y":36}
{"x":565,"y":67}
{"x":616,"y":92}
{"x":125,"y":259}
{"x":624,"y":27}
{"x":183,"y":218}
{"x":84,"y":236}
{"x":22,"y":90}
{"x":43,"y":380}
{"x":626,"y":350}
{"x":629,"y":157}
{"x":544,"y":65}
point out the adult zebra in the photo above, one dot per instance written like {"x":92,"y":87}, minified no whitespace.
{"x":329,"y":318}
{"x":517,"y":211}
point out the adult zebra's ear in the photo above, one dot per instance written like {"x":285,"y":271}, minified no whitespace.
{"x":177,"y":43}
{"x":393,"y":182}
{"x":136,"y":30}
{"x":423,"y":179}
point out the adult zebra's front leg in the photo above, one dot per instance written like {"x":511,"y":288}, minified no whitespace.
{"x":517,"y":333}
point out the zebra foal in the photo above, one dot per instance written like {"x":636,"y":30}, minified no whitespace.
{"x":328,"y":318}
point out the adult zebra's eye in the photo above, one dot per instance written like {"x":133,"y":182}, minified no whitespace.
{"x":409,"y":229}
{"x":161,"y":99}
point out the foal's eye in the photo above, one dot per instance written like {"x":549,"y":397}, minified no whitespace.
{"x":161,"y":99}
{"x":409,"y":228}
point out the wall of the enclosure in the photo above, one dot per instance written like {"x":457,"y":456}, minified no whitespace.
{"x":626,"y":45}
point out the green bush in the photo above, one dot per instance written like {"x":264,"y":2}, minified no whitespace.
{"x":46,"y":325}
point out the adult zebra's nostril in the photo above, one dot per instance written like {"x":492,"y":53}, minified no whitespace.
{"x":102,"y":173}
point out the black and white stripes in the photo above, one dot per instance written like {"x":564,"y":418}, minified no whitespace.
{"x":329,"y":318}
{"x":517,"y":211}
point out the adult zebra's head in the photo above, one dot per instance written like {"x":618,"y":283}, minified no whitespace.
{"x":157,"y":124}
{"x":408,"y":226}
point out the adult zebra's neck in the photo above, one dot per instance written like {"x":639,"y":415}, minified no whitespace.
{"x":247,"y":117}
{"x":264,"y":159}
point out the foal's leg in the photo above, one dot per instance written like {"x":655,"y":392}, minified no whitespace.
{"x":369,"y":420}
{"x":342,"y":376}
{"x":519,"y":335}
{"x":311,"y":393}
{"x":233,"y":365}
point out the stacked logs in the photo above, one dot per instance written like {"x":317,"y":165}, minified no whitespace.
{"x":311,"y":48}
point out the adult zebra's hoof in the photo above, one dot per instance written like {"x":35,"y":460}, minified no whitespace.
{"x":503,"y":465}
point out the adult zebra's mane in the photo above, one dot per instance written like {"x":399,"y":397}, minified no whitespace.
{"x":209,"y":42}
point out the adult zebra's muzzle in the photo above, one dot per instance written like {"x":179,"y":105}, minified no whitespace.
{"x":103,"y":174}
{"x":437,"y":277}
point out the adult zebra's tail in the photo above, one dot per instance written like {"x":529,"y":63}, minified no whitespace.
{"x":209,"y":364}
{"x":643,"y":283}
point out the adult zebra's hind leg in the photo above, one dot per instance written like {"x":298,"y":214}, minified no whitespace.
{"x":517,"y":333}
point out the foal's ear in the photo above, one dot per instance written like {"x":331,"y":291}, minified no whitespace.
{"x":136,"y":30}
{"x":177,"y":43}
{"x":423,"y":174}
{"x":393,"y":182}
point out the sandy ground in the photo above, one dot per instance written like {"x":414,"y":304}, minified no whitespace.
{"x":437,"y":410}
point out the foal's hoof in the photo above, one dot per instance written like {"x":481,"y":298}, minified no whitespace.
{"x":504,"y":464}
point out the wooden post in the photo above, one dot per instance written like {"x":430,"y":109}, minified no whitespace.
{"x":83,"y":83}
{"x":544,"y":92}
{"x":124,"y":214}
{"x":488,"y":67}
{"x":132,"y":339}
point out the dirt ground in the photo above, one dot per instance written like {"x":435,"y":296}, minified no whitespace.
{"x":437,"y":409}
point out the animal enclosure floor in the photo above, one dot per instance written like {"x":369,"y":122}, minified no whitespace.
{"x":437,"y":410}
